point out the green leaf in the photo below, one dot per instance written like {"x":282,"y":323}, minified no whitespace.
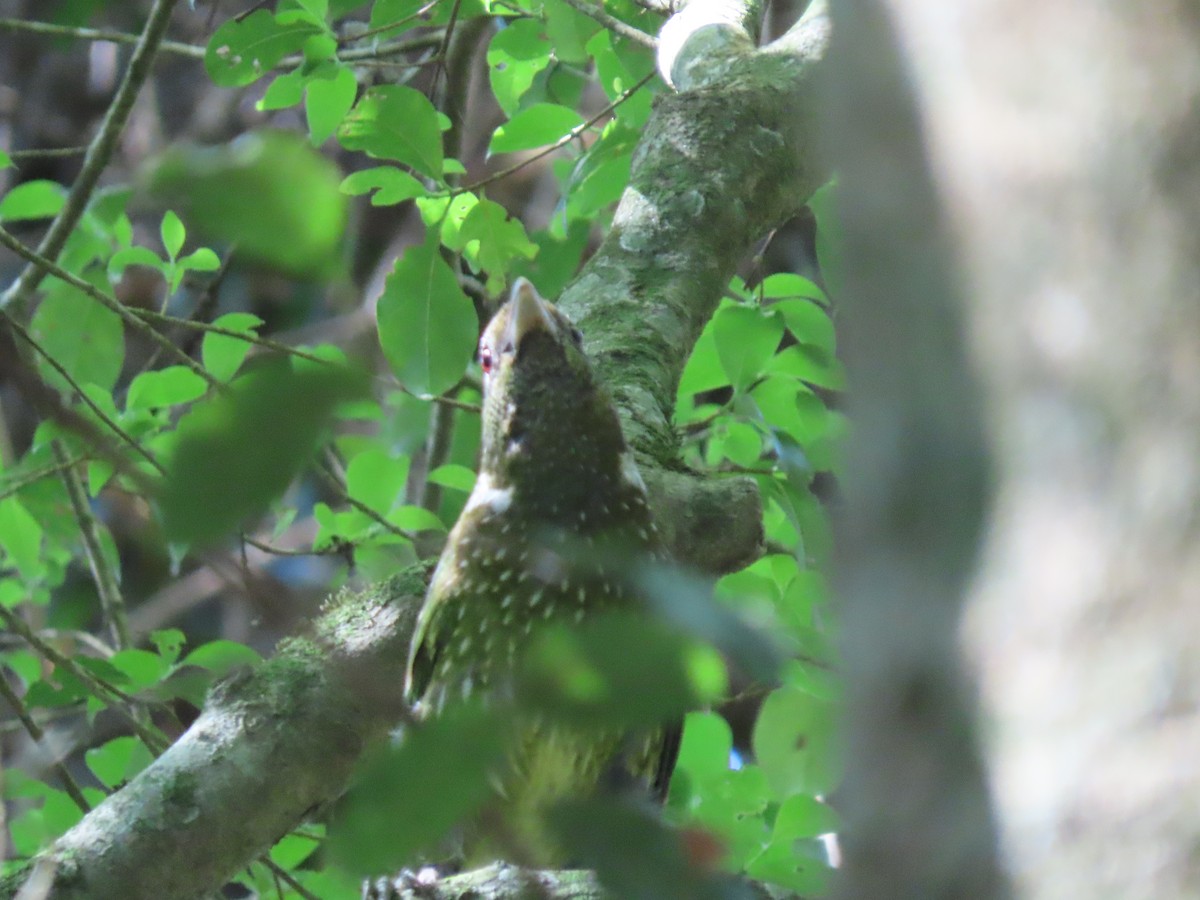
{"x":801,"y":816}
{"x":326,"y":102}
{"x":118,"y":760}
{"x":221,"y":657}
{"x":376,"y":479}
{"x":245,"y":48}
{"x":440,"y":768}
{"x":164,"y":387}
{"x":796,"y":743}
{"x":809,"y":324}
{"x":141,"y":668}
{"x":790,"y":286}
{"x":248,"y":194}
{"x":85,"y":338}
{"x":20,"y":539}
{"x":391,"y":185}
{"x":32,"y":200}
{"x":5,"y":160}
{"x":792,"y":408}
{"x":173,"y":234}
{"x":515,"y":56}
{"x":704,"y":750}
{"x":416,"y":518}
{"x":398,"y":123}
{"x":169,"y":643}
{"x":60,"y":814}
{"x":317,"y":9}
{"x":619,"y":670}
{"x":540,"y":124}
{"x":201,"y":259}
{"x":389,"y":12}
{"x":294,"y":849}
{"x":703,"y":371}
{"x":427,"y":325}
{"x":501,"y":241}
{"x":633,"y":854}
{"x":745,"y":339}
{"x":133,"y":256}
{"x":223,"y":355}
{"x":685,"y":600}
{"x":569,"y":31}
{"x":798,"y":865}
{"x":234,"y":453}
{"x":557,"y":258}
{"x":285,"y":91}
{"x":457,"y":477}
{"x":614,"y":72}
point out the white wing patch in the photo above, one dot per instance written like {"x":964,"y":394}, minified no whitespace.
{"x":487,"y":494}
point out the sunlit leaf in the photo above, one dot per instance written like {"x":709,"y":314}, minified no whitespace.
{"x":118,"y":760}
{"x":796,"y":743}
{"x":515,"y":56}
{"x":326,"y":102}
{"x":391,"y":185}
{"x":32,"y":200}
{"x":165,"y":387}
{"x":745,"y":339}
{"x":245,"y":48}
{"x":427,"y":325}
{"x":541,"y":124}
{"x":396,"y":122}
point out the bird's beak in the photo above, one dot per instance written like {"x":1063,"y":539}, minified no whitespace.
{"x":528,"y":314}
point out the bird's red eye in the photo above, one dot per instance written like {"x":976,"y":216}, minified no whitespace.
{"x":485,"y":359}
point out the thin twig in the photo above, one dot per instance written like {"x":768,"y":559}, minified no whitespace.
{"x":99,"y":152}
{"x":49,"y":267}
{"x":390,"y":26}
{"x":286,"y":877}
{"x":112,"y":604}
{"x":613,"y":24}
{"x":288,"y":551}
{"x":35,"y":732}
{"x":393,"y":48}
{"x":445,"y":45}
{"x":75,"y":386}
{"x":21,"y":482}
{"x":268,"y":344}
{"x":560,"y":143}
{"x":337,"y":485}
{"x":48,"y":153}
{"x":100,"y":688}
{"x":97,"y":34}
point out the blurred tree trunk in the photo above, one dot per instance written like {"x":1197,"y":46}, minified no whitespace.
{"x":1064,"y":141}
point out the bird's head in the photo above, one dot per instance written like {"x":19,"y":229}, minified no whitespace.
{"x":549,"y":428}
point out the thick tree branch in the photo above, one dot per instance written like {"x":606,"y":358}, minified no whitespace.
{"x":270,"y":746}
{"x":717,"y":168}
